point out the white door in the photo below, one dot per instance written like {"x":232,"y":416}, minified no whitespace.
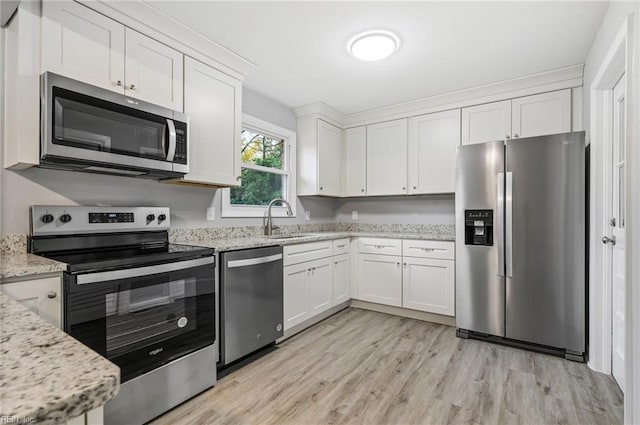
{"x":387,"y":158}
{"x":41,"y":296}
{"x":540,"y":114}
{"x":617,"y":227}
{"x":329,"y":154}
{"x":320,"y":285}
{"x":82,"y":44}
{"x":341,"y":278}
{"x":355,"y":162}
{"x":433,"y":140}
{"x":296,"y":306}
{"x":428,"y":285}
{"x":213,"y":101}
{"x":486,"y":123}
{"x":153,"y":71}
{"x":380,"y":279}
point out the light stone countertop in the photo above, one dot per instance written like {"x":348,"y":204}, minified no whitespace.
{"x":23,"y":264}
{"x":46,"y":376}
{"x":231,"y":244}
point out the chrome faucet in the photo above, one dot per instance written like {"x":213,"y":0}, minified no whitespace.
{"x":268,"y":227}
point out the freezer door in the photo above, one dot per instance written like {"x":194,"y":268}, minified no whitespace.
{"x":545,"y":252}
{"x":479,"y":266}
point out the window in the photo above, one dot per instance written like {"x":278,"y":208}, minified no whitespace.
{"x":268,"y":171}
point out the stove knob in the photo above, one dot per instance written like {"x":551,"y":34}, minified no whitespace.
{"x":151,"y":217}
{"x":47,"y":218}
{"x":162,"y":217}
{"x":65,"y":218}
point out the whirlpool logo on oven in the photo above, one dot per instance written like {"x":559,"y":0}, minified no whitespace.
{"x":156,"y":351}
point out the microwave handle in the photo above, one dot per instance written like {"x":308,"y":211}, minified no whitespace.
{"x":171,"y":152}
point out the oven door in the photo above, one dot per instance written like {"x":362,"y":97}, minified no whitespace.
{"x":85,"y":123}
{"x":141,"y":321}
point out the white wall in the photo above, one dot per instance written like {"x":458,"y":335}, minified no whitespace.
{"x":398,"y":210}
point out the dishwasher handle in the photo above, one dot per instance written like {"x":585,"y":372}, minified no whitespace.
{"x":253,"y":261}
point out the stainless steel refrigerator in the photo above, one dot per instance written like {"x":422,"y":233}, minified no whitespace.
{"x":520,"y":243}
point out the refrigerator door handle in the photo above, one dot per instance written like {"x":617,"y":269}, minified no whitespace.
{"x":500,"y":224}
{"x":509,"y":224}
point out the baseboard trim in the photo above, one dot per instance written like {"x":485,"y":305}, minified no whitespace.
{"x":404,"y":312}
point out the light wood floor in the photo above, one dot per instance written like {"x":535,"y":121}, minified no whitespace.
{"x":362,"y":367}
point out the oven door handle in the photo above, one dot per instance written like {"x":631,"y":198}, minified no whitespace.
{"x":253,"y":261}
{"x":83,"y":279}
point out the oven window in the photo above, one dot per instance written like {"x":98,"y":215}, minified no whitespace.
{"x":141,"y":317}
{"x":88,"y":123}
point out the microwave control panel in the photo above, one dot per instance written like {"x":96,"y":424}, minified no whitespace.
{"x":181,"y":143}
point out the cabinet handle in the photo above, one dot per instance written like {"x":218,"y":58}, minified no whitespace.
{"x":321,"y":188}
{"x":415,"y":187}
{"x":507,"y":137}
{"x":404,"y":188}
{"x":132,"y":87}
{"x":516,"y":135}
{"x":119,"y":83}
{"x":398,"y":263}
{"x":405,"y":265}
{"x":52,"y":295}
{"x":361,"y":190}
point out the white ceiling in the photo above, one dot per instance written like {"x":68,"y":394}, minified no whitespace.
{"x":299,"y":47}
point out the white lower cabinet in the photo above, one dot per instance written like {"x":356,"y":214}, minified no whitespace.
{"x":341,"y":278}
{"x":296,"y":307}
{"x":41,"y":296}
{"x":428,"y":285}
{"x":320,"y":285}
{"x":380,"y":279}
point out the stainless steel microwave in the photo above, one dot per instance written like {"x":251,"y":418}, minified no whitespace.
{"x":90,"y":129}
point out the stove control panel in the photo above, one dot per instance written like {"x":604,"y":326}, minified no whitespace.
{"x":59,"y":220}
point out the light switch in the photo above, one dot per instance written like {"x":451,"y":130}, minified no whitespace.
{"x":211,"y":214}
{"x":307,"y":215}
{"x":354,"y":215}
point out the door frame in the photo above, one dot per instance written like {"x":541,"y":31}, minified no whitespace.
{"x":619,"y":60}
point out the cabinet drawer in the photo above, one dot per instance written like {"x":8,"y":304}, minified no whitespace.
{"x":380,"y":246}
{"x":442,"y":250}
{"x":341,"y":246}
{"x":295,"y":254}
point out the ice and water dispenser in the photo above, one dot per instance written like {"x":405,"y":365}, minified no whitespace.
{"x":478,"y":227}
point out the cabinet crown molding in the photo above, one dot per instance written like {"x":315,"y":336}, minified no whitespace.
{"x":320,"y":110}
{"x":147,"y":19}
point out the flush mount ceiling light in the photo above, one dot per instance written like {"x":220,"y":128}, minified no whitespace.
{"x":373,"y":45}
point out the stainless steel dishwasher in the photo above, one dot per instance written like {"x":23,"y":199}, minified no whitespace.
{"x":251,"y":301}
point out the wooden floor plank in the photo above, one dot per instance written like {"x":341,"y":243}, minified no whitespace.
{"x":366,"y":368}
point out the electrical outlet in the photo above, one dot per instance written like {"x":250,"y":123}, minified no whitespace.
{"x":211,"y":214}
{"x":354,"y":215}
{"x":307,"y":215}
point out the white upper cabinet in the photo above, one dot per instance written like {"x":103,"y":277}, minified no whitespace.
{"x":486,"y":123}
{"x":540,"y":114}
{"x":319,"y":157}
{"x":433,"y":139}
{"x":82,"y":44}
{"x":355,"y":162}
{"x":87,"y":46}
{"x":387,"y":158}
{"x":329,"y":154}
{"x":153,"y":71}
{"x":536,"y":115}
{"x":213,"y":101}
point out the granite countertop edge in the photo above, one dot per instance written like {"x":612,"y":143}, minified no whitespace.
{"x":46,"y":376}
{"x":24,"y":265}
{"x":231,"y":244}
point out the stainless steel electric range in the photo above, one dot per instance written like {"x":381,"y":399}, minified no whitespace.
{"x":143,"y":303}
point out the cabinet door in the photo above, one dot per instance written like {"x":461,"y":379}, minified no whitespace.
{"x":380,"y":279}
{"x":153,"y":71}
{"x":82,"y":44}
{"x":296,"y":305}
{"x":355,"y":162}
{"x":546,"y":113}
{"x":387,"y":158}
{"x":341,"y":278}
{"x":42,"y":296}
{"x":329,"y":155}
{"x":320,"y":285}
{"x":213,"y":101}
{"x":486,"y":123}
{"x":429,"y":285}
{"x":433,"y":139}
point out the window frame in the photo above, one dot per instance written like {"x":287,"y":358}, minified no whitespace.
{"x":230,"y":210}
